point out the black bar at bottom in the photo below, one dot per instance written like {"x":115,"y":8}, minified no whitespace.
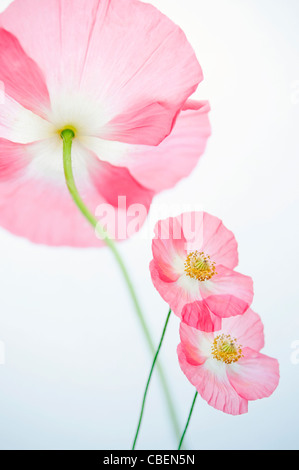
{"x":97,"y":458}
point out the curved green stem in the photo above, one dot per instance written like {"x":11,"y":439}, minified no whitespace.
{"x":149,"y":379}
{"x":68,"y":135}
{"x":188,"y":421}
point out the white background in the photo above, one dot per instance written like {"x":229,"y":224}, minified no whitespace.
{"x":76,"y":363}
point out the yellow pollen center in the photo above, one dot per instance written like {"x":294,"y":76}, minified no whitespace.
{"x":226,"y":349}
{"x":199,"y":266}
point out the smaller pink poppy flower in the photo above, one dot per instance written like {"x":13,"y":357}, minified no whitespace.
{"x":193,"y":270}
{"x":226,"y":367}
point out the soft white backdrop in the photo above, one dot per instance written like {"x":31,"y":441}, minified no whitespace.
{"x":76,"y":363}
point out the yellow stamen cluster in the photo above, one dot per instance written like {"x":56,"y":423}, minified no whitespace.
{"x":199,"y":266}
{"x":226,"y":349}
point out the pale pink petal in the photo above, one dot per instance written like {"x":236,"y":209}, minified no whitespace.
{"x":171,"y":232}
{"x":248,"y":329}
{"x":161,"y":167}
{"x":151,"y":71}
{"x":22,"y":77}
{"x":13,"y":160}
{"x":211,"y":382}
{"x":140,"y":126}
{"x":197,"y":345}
{"x":198,"y":315}
{"x":42,"y":210}
{"x":168,"y":248}
{"x":255,"y":375}
{"x":207,"y":233}
{"x":56,"y":35}
{"x":228,"y":293}
{"x":181,"y":294}
{"x":114,"y":182}
{"x":44,"y":213}
{"x":175,"y":295}
{"x":21,"y":125}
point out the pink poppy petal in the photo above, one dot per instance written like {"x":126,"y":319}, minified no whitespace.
{"x":152,"y":69}
{"x":114,"y":182}
{"x":197,"y":345}
{"x":228,"y":293}
{"x":141,"y":125}
{"x":161,"y":167}
{"x":198,"y":315}
{"x":21,"y":125}
{"x":13,"y":160}
{"x":175,"y":295}
{"x":171,"y":232}
{"x":42,"y":210}
{"x":212,"y":384}
{"x":248,"y":329}
{"x":255,"y":375}
{"x":23,"y":80}
{"x":168,"y":248}
{"x":44,"y":213}
{"x":207,"y":233}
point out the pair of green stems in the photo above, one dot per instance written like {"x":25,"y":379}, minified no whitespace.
{"x":67,"y":136}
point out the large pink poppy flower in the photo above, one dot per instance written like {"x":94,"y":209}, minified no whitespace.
{"x":119,"y":74}
{"x":226,"y":367}
{"x":194,"y":256}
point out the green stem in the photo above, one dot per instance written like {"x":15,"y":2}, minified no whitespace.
{"x":149,"y":379}
{"x":68,"y":135}
{"x":188,"y":421}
